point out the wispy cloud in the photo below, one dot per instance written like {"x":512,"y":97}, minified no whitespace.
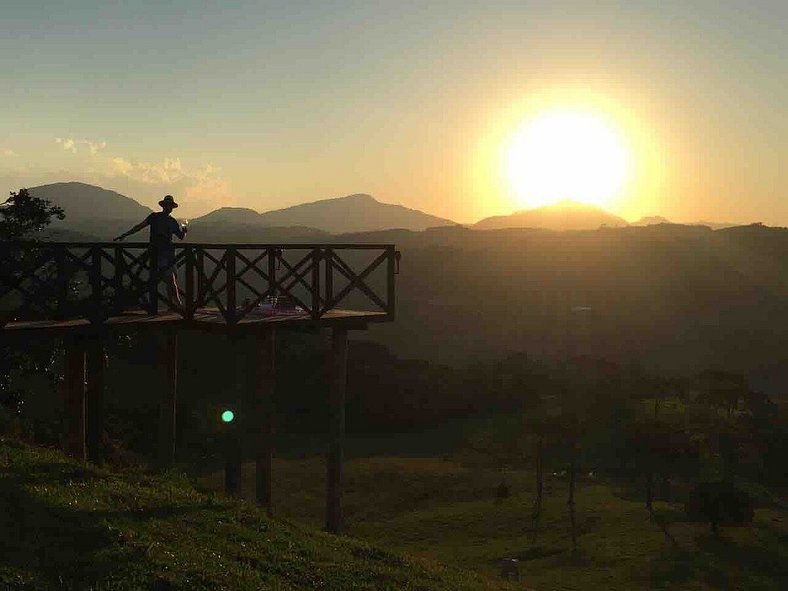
{"x":200,"y":188}
{"x":94,"y":147}
{"x":168,"y":171}
{"x":9,"y":153}
{"x":203,"y":188}
{"x":68,"y":144}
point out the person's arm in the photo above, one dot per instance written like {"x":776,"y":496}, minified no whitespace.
{"x":135,"y":229}
{"x":179,"y":230}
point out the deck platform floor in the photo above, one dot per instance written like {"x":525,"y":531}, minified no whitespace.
{"x":207,"y":319}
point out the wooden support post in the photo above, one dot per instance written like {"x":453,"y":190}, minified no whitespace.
{"x":336,"y":430}
{"x":235,"y":430}
{"x":168,"y":350}
{"x":96,"y":363}
{"x":263,"y":418}
{"x":232,"y":463}
{"x":74,"y":398}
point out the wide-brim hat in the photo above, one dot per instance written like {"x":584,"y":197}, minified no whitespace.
{"x":168,"y":200}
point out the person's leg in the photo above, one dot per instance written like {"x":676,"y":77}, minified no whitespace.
{"x":167,"y":274}
{"x":172,"y":289}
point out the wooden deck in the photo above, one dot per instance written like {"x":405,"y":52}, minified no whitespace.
{"x":52,"y":287}
{"x":81,"y":291}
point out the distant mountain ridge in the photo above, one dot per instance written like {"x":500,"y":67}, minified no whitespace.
{"x":102,"y":213}
{"x":81,"y":201}
{"x":91,"y":212}
{"x":98,"y":213}
{"x":657,"y":219}
{"x":340,"y":215}
{"x":651,"y":220}
{"x":566,"y":215}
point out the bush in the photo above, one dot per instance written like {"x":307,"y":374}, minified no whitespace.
{"x":719,"y":503}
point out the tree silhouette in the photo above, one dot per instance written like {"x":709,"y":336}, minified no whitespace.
{"x":23,"y":216}
{"x":723,"y":389}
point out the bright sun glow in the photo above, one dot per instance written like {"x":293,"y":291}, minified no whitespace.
{"x":563,"y":155}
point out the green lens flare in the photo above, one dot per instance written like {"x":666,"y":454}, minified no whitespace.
{"x":228,"y":416}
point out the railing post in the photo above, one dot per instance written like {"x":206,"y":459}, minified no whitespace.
{"x":272,"y":272}
{"x":390,"y":283}
{"x":329,"y":289}
{"x":189,"y":304}
{"x":62,"y":281}
{"x":95,"y":284}
{"x":200,"y":268}
{"x":231,"y":298}
{"x":316,"y":256}
{"x":153,"y":280}
{"x":117,"y":280}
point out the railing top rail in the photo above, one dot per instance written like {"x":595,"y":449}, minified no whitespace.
{"x":213,"y":245}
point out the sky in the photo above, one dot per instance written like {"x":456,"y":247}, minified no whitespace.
{"x":270,"y":104}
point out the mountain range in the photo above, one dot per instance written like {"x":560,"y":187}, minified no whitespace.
{"x":656,"y":219}
{"x":670,"y":297}
{"x":341,"y":215}
{"x":101,"y":213}
{"x":96,"y":213}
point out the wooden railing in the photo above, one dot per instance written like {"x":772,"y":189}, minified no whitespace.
{"x":95,"y":281}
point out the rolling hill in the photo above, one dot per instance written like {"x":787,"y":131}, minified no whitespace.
{"x":69,"y":525}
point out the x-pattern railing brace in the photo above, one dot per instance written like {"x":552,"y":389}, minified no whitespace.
{"x":98,"y":280}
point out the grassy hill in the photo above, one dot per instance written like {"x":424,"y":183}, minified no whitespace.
{"x":64,"y":525}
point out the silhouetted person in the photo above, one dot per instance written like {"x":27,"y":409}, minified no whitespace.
{"x":162,"y":228}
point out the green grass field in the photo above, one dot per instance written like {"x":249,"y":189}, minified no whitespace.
{"x":447,"y":511}
{"x":64,"y":525}
{"x":414,"y":522}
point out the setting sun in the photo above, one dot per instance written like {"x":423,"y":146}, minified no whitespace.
{"x":566,"y":155}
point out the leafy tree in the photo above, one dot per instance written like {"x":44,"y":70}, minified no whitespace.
{"x":723,"y":389}
{"x":22,"y":216}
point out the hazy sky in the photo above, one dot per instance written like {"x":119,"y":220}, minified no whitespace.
{"x":268,"y":104}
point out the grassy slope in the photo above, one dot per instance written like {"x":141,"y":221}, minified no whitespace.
{"x":65,"y":525}
{"x":443,"y":510}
